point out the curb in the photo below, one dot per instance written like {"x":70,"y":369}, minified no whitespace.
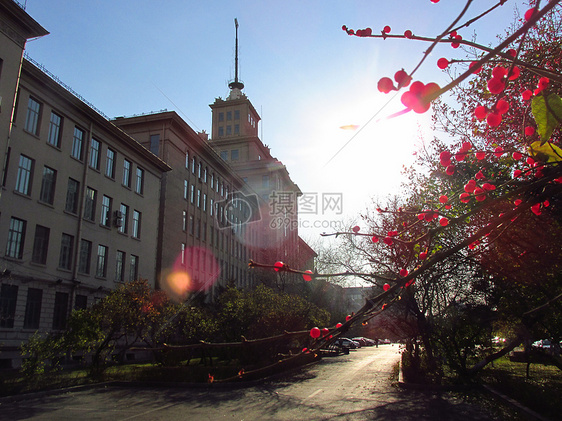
{"x":515,"y":404}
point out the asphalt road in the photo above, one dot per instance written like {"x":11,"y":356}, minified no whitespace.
{"x":347,"y":387}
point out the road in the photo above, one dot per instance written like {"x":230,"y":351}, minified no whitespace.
{"x":347,"y":387}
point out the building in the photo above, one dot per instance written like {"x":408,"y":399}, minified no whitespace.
{"x":78,"y":199}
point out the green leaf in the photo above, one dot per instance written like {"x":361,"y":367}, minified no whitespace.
{"x":547,"y":113}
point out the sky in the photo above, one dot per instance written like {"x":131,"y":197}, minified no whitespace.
{"x":305,"y":76}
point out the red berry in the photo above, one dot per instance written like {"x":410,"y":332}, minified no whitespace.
{"x":385,"y":85}
{"x":511,"y":52}
{"x":498,"y":152}
{"x":476,"y":68}
{"x":386,"y":29}
{"x":443,"y":63}
{"x":386,"y":287}
{"x":529,"y":14}
{"x":529,"y":131}
{"x":388,"y":241}
{"x":517,"y":155}
{"x":499,"y":72}
{"x":480,"y":155}
{"x":480,"y":112}
{"x":517,"y":173}
{"x":466,"y":146}
{"x":423,"y":255}
{"x":450,"y":170}
{"x":375,"y":239}
{"x":543,"y":83}
{"x":496,"y":85}
{"x":502,"y":106}
{"x":517,"y":202}
{"x":515,"y":73}
{"x":356,"y":229}
{"x":403,"y":272}
{"x":444,"y":222}
{"x":526,"y":95}
{"x":464,"y":197}
{"x":479,"y":194}
{"x":443,"y":199}
{"x":493,"y":119}
{"x":536,"y":209}
{"x":306,"y":275}
{"x":488,"y":187}
{"x":278,"y":266}
{"x":408,"y":34}
{"x":402,"y":78}
{"x":479,"y":175}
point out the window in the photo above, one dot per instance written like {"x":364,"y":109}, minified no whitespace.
{"x":221,"y":116}
{"x":198,"y":228}
{"x":124,"y":228}
{"x":33,"y":308}
{"x":8,"y":300}
{"x":61,"y":310}
{"x":204,"y":202}
{"x":184,"y":224}
{"x":126,"y":173}
{"x":154,"y":143}
{"x":187,"y":159}
{"x":191,"y":224}
{"x":212,"y":180}
{"x":192,"y":194}
{"x":32,"y":118}
{"x":211,"y":207}
{"x":25,"y":170}
{"x":221,"y":131}
{"x":40,"y":245}
{"x":199,"y":170}
{"x":237,"y":129}
{"x":85,"y":256}
{"x":16,"y":237}
{"x":106,"y":211}
{"x":185,"y":188}
{"x":55,"y":126}
{"x":101,"y":266}
{"x":136,"y":224}
{"x":228,"y":115}
{"x":95,"y":148}
{"x":65,"y":258}
{"x":81,"y":302}
{"x":120,"y":266}
{"x":48,"y":185}
{"x":110,"y":163}
{"x":139,"y":187}
{"x":265,"y":181}
{"x":134,"y":268}
{"x":72,"y":196}
{"x":228,"y":130}
{"x":234,"y":154}
{"x":193,"y":165}
{"x":183,"y":247}
{"x":90,"y":204}
{"x":205,"y":174}
{"x":224,"y":155}
{"x":198,"y":198}
{"x":236,"y":114}
{"x":77,"y":142}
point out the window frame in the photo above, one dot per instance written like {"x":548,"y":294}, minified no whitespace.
{"x":55,"y":130}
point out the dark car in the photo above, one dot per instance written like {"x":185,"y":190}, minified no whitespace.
{"x":364,"y":341}
{"x":346,"y":343}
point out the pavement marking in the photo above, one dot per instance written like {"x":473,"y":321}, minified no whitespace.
{"x":313,"y":394}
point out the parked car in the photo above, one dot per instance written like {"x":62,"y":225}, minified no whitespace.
{"x":364,"y":341}
{"x":346,"y":343}
{"x":543,"y":343}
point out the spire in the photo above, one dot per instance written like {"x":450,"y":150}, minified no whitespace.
{"x":236,"y":84}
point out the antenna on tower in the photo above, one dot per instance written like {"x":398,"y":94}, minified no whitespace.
{"x":236,"y":84}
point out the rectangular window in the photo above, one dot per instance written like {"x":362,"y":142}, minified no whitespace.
{"x":204,"y":202}
{"x":221,"y":131}
{"x":205,"y":174}
{"x":25,"y":170}
{"x":90,"y":204}
{"x":192,"y":194}
{"x":8,"y":300}
{"x":110,"y":163}
{"x":265,"y":181}
{"x":126,"y":173}
{"x":155,"y":143}
{"x":40,"y":245}
{"x":228,"y":115}
{"x":81,"y":302}
{"x":77,"y":142}
{"x":134,"y":268}
{"x":48,"y":185}
{"x":237,"y":129}
{"x":95,"y":148}
{"x":136,"y":224}
{"x":187,"y":159}
{"x":55,"y":126}
{"x":185,"y":189}
{"x":33,"y":308}
{"x":72,"y":196}
{"x":120,"y":266}
{"x":32,"y":118}
{"x":61,"y":310}
{"x":101,"y":266}
{"x":234,"y":154}
{"x":184,"y":224}
{"x":213,"y":181}
{"x":211,"y":207}
{"x":199,"y":170}
{"x":66,"y":247}
{"x":228,"y":130}
{"x":106,"y":211}
{"x":193,"y":165}
{"x":124,"y":227}
{"x":236,"y":114}
{"x":16,"y":237}
{"x":198,"y":198}
{"x":191,"y":224}
{"x":221,"y":116}
{"x":139,"y":186}
{"x":85,"y":256}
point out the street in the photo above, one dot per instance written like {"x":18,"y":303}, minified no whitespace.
{"x":346,"y":387}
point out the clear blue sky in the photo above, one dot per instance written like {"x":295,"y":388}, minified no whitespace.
{"x":303,"y":74}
